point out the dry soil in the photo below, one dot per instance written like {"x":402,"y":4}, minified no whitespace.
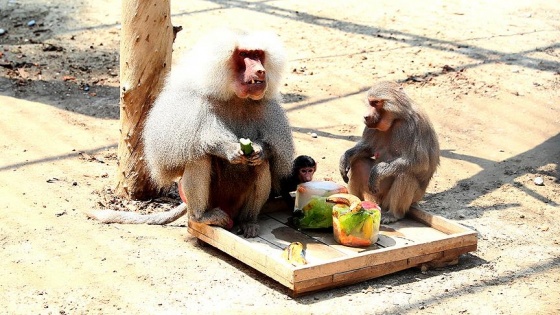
{"x":487,"y":73}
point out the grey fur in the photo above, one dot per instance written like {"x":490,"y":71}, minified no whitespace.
{"x":408,"y":155}
{"x":196,"y":123}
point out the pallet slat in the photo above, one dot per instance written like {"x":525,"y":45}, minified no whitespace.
{"x":421,"y":240}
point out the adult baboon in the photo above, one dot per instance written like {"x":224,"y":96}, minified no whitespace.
{"x":397,"y":155}
{"x":225,"y":88}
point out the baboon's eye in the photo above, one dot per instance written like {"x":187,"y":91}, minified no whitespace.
{"x":377,"y":103}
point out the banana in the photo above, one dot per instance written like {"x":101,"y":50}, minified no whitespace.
{"x":295,"y":254}
{"x":353,"y":202}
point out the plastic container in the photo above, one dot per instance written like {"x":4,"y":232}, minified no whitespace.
{"x":359,"y":228}
{"x":306,"y":191}
{"x":311,"y":210}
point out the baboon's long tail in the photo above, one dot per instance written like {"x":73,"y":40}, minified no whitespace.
{"x":129,"y":217}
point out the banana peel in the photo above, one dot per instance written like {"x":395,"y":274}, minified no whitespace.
{"x":353,"y":202}
{"x":295,"y":254}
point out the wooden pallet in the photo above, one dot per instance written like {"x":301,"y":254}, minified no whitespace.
{"x":420,"y":240}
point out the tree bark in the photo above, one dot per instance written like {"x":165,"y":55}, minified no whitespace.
{"x":145,"y":59}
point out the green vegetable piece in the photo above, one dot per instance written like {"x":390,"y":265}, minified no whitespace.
{"x":246,"y":146}
{"x":316,"y":214}
{"x":353,"y":223}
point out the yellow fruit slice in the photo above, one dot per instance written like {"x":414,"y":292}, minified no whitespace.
{"x":368,"y":228}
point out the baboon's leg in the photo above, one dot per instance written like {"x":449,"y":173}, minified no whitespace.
{"x":401,"y":195}
{"x":255,"y":200}
{"x":358,"y":179}
{"x":196,"y":188}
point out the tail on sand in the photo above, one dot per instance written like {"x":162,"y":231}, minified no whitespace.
{"x":129,"y":217}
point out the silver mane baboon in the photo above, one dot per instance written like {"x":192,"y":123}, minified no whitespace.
{"x":224,"y":89}
{"x":396,"y":157}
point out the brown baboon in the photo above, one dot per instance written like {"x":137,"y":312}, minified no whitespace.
{"x":226,"y":88}
{"x":397,"y":155}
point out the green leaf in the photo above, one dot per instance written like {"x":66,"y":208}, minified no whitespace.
{"x":316,"y":214}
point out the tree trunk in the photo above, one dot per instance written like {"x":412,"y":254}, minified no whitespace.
{"x":145,"y":59}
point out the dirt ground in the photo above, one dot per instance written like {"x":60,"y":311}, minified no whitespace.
{"x":487,"y":73}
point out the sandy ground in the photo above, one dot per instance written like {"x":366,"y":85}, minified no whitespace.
{"x":487,"y":73}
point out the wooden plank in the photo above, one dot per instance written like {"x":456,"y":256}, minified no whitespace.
{"x":278,"y":233}
{"x":419,"y":240}
{"x":381,"y":256}
{"x":449,"y":257}
{"x":348,"y":277}
{"x":280,"y":216}
{"x":371,"y":272}
{"x":437,"y":222}
{"x":416,"y":232}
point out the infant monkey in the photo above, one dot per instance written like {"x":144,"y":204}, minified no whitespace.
{"x":303,"y":169}
{"x":397,"y":155}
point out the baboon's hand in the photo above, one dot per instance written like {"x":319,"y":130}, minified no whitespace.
{"x":235,"y":155}
{"x":374,"y":179}
{"x":344,"y":172}
{"x":377,"y":174}
{"x":388,"y":217}
{"x":257,"y":156}
{"x":373,"y":185}
{"x":249,"y":229}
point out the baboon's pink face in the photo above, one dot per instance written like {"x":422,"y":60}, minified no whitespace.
{"x":250,"y":74}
